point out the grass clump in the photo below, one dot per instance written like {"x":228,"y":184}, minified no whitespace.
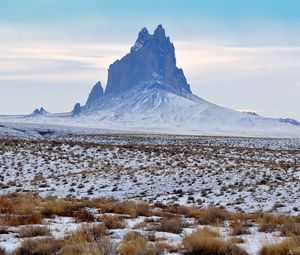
{"x":33,"y":231}
{"x":136,"y":244}
{"x":41,"y":246}
{"x":239,"y":228}
{"x":207,"y":242}
{"x":112,"y":221}
{"x":287,"y":247}
{"x":103,"y":246}
{"x":170,"y":225}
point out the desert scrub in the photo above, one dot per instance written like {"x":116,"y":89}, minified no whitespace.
{"x":88,"y":233}
{"x":33,"y":231}
{"x":239,"y":228}
{"x":287,"y":247}
{"x":207,"y":242}
{"x":112,"y":221}
{"x":103,"y":246}
{"x":170,"y":225}
{"x":136,"y":244}
{"x":40,"y":246}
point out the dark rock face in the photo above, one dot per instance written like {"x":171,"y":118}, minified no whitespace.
{"x":150,"y":61}
{"x":290,"y":121}
{"x":39,"y":112}
{"x":96,"y":93}
{"x":76,"y":110}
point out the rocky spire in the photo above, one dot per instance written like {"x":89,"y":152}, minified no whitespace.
{"x":95,"y":94}
{"x":151,"y":61}
{"x":76,"y":110}
{"x":39,"y":112}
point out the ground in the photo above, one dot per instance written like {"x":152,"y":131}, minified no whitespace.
{"x":239,"y":175}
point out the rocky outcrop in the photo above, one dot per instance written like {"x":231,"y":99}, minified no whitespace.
{"x":76,"y":110}
{"x":39,"y":112}
{"x":95,"y":94}
{"x":151,"y":61}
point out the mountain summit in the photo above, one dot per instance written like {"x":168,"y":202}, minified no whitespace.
{"x":151,"y":61}
{"x":147,"y":91}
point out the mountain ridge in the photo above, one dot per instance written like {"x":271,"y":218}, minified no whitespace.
{"x":146,"y":92}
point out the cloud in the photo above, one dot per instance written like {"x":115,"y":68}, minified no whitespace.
{"x":56,"y":61}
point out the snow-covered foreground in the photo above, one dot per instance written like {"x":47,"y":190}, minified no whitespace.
{"x":126,"y":224}
{"x":241,"y":174}
{"x":238,"y":174}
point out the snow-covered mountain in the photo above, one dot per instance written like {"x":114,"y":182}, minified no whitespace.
{"x":146,"y":89}
{"x":147,"y":92}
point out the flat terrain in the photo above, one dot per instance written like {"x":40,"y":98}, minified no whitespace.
{"x":239,"y":174}
{"x":135,"y":194}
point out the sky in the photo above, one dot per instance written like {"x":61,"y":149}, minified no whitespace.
{"x":242,"y":54}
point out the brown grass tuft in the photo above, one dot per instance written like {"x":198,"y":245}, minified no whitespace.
{"x":84,"y":216}
{"x":136,"y":244}
{"x":269,"y":222}
{"x":174,"y":225}
{"x":205,"y":243}
{"x":88,"y":233}
{"x":239,"y":228}
{"x":43,"y":246}
{"x":103,"y":246}
{"x":112,"y":221}
{"x":23,"y":219}
{"x":287,"y":247}
{"x":33,"y":231}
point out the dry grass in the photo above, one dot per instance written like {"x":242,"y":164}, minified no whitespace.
{"x":269,"y":222}
{"x":136,"y":244}
{"x":239,"y":228}
{"x":237,"y":240}
{"x":164,"y":246}
{"x":128,"y":207}
{"x":27,"y":219}
{"x":112,"y":221}
{"x":84,"y":216}
{"x":205,"y":242}
{"x":290,"y":227}
{"x":19,"y":209}
{"x":103,"y":246}
{"x":18,"y":203}
{"x":33,"y":231}
{"x":61,"y":207}
{"x":44,"y":246}
{"x":171,"y":225}
{"x":88,"y":233}
{"x":287,"y":247}
{"x":208,"y":216}
{"x":287,"y":225}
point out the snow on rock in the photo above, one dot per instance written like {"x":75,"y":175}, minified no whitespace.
{"x":39,"y":112}
{"x":150,"y":54}
{"x":76,"y":110}
{"x":96,"y":93}
{"x":147,"y":92}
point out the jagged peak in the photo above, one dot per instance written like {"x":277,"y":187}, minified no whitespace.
{"x":160,"y":32}
{"x":96,"y":93}
{"x":159,"y":37}
{"x":76,"y":110}
{"x":152,"y":58}
{"x":143,"y":33}
{"x":39,"y":112}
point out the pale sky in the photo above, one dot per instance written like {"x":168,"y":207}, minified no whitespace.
{"x":243,"y":55}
